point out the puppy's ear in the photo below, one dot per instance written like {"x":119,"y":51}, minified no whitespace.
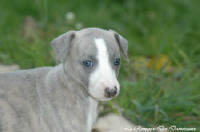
{"x":123,"y":44}
{"x":62,"y":44}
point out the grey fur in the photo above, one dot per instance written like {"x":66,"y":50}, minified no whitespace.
{"x":61,"y":45}
{"x":123,"y":44}
{"x":54,"y":99}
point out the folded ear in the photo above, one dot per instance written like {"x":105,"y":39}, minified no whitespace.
{"x":62,"y":44}
{"x":123,"y":44}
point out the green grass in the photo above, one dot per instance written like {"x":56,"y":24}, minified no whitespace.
{"x":152,"y":27}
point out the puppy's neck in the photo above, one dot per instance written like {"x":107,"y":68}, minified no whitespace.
{"x":65,"y":91}
{"x":58,"y":78}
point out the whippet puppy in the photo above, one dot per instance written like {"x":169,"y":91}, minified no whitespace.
{"x":64,"y":98}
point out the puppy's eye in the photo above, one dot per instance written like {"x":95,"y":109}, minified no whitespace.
{"x":117,"y":61}
{"x":88,"y":63}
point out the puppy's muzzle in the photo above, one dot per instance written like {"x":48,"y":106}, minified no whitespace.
{"x":110,"y":92}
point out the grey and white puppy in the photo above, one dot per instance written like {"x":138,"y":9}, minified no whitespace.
{"x":64,"y":98}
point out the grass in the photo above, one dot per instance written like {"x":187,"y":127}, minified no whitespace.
{"x":153,"y":28}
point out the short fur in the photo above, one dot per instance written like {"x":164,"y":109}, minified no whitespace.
{"x":56,"y":99}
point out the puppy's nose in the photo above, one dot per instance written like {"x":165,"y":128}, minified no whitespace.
{"x":110,"y":92}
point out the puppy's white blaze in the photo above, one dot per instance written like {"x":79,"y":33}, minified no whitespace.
{"x":103,"y":76}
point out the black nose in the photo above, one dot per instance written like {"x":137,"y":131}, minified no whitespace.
{"x":110,"y":92}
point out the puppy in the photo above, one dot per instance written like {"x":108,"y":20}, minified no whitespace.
{"x":64,"y":98}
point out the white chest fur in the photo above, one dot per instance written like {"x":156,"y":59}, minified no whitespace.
{"x":92,"y":113}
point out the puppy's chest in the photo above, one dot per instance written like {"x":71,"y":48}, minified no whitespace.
{"x":92,"y":114}
{"x":70,"y":115}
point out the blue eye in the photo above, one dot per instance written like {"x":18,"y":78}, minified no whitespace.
{"x":117,"y":61}
{"x":88,"y":63}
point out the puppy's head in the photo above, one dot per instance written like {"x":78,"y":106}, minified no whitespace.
{"x":92,"y":58}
